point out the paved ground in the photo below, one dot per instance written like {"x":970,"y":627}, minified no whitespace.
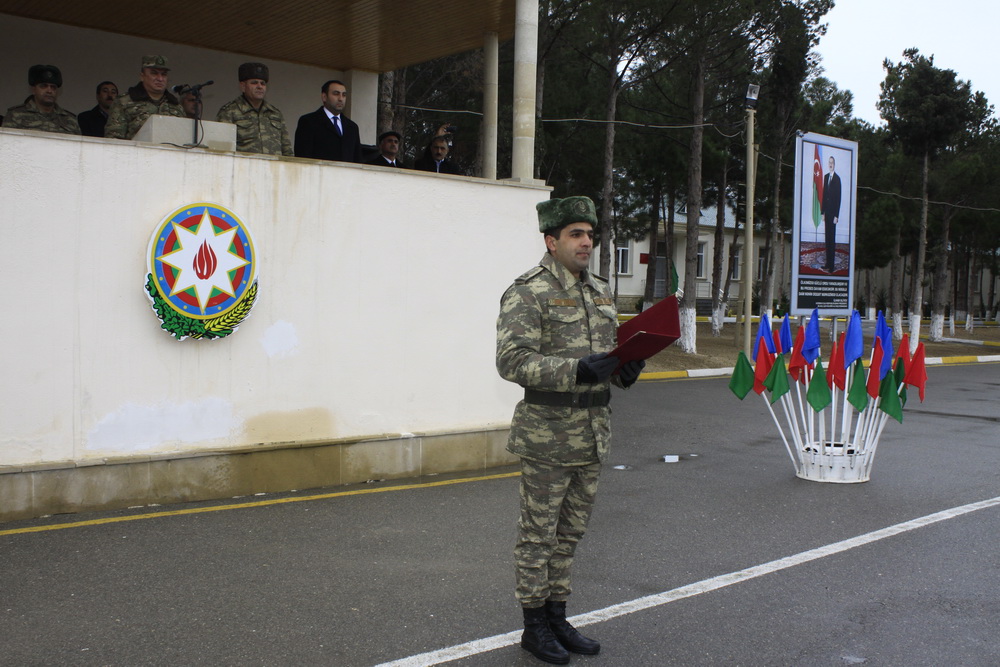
{"x":367,"y":575}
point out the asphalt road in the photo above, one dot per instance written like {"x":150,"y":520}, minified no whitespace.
{"x":361,"y":576}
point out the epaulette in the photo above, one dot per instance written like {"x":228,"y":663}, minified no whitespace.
{"x":601,"y":278}
{"x":529,"y":274}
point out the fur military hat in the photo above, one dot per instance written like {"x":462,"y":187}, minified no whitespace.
{"x":556,"y":213}
{"x":253,"y":71}
{"x":44,"y":74}
{"x":159,"y":62}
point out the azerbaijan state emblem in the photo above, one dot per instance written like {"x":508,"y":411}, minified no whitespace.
{"x":202,"y":272}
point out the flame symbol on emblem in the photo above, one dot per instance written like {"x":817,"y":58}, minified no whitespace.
{"x":205,"y":262}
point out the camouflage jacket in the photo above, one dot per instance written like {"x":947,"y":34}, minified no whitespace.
{"x":29,"y":117}
{"x":257,"y":130}
{"x":548,"y":321}
{"x":130,"y":111}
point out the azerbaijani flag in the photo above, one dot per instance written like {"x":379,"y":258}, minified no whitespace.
{"x":817,"y":186}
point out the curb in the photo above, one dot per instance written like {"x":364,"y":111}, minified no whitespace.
{"x":720,"y":372}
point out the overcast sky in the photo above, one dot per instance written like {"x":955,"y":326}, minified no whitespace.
{"x":962,"y":35}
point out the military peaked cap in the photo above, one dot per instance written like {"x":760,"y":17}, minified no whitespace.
{"x":556,"y":213}
{"x":159,"y":62}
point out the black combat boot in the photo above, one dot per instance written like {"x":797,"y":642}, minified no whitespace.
{"x":538,"y":638}
{"x":567,"y":635}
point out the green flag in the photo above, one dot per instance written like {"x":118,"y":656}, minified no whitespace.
{"x":818,"y":395}
{"x":890,"y":404}
{"x":858,"y":394}
{"x":900,"y":374}
{"x":742,"y":381}
{"x":777,"y":380}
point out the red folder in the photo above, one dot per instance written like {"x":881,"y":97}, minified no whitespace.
{"x":648,"y":332}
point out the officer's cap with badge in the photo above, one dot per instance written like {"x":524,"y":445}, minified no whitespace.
{"x":254,"y":71}
{"x":44,"y":74}
{"x":158,"y":62}
{"x":557,"y":213}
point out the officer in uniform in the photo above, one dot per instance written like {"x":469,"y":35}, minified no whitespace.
{"x":149,"y":97}
{"x":556,"y":326}
{"x":260,"y":127}
{"x":40,"y":111}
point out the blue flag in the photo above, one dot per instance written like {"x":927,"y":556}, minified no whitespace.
{"x":764,"y":326}
{"x":786,"y":336}
{"x":854,"y":344}
{"x":884,"y":333}
{"x":812,"y":342}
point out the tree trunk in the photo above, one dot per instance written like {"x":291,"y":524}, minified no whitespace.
{"x":970,"y":272}
{"x":399,"y":97}
{"x":939,"y":288}
{"x":654,"y":227}
{"x":688,"y":341}
{"x":607,"y":192}
{"x":773,"y":235}
{"x":718,"y":302}
{"x":668,"y":241}
{"x":896,"y":290}
{"x":917,"y":294}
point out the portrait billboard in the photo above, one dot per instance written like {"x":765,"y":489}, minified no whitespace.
{"x":823,"y":231}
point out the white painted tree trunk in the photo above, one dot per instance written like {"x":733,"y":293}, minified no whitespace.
{"x":897,"y":326}
{"x":914,"y":332}
{"x":936,"y":332}
{"x":689,"y":338}
{"x":951,"y":325}
{"x":970,"y":322}
{"x":717,"y":315}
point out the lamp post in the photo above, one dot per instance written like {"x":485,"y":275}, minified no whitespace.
{"x":751,"y":106}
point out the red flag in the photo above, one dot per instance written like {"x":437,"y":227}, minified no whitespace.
{"x":764,"y":362}
{"x":916,"y":371}
{"x":797,"y":363}
{"x":776,"y":335}
{"x":836,"y":373}
{"x":875,"y":369}
{"x":904,"y":350}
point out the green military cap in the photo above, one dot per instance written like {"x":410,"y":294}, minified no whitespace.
{"x":44,"y":74}
{"x":253,"y":71}
{"x":556,"y":213}
{"x":159,"y":62}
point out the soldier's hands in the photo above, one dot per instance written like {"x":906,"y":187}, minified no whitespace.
{"x":630,"y":371}
{"x":596,"y":368}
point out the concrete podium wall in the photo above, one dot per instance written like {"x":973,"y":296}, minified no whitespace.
{"x":373,"y":332}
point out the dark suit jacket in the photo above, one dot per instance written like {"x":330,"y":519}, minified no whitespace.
{"x":382,"y":162}
{"x":426,"y":163}
{"x":92,"y":122}
{"x":830,"y":206}
{"x":316,"y":137}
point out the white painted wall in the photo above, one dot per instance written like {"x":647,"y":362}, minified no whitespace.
{"x":376,"y":312}
{"x":86,"y":57}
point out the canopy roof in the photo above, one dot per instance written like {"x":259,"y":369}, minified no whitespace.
{"x":373,"y":35}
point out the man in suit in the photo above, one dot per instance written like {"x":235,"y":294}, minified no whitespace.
{"x":830,"y":209}
{"x":327,"y":134}
{"x":92,"y":122}
{"x":435,"y":158}
{"x":388,"y":150}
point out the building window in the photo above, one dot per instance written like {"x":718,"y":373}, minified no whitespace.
{"x":760,"y":266}
{"x":623,"y":259}
{"x":701,"y":260}
{"x":735,"y":263}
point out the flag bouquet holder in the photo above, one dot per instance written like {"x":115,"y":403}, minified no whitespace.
{"x":830,"y":419}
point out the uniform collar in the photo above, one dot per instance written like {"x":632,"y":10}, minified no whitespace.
{"x":564,"y":276}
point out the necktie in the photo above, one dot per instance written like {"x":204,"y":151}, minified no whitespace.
{"x":336,"y":125}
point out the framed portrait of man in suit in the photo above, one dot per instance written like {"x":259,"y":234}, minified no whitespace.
{"x":823,"y":231}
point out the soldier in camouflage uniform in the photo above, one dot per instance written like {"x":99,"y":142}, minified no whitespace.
{"x":556,"y":326}
{"x":260,"y":127}
{"x":147,"y":98}
{"x":40,"y":111}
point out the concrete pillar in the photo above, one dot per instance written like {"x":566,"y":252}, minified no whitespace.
{"x":362,"y":102}
{"x":491,"y":79}
{"x":525,"y":60}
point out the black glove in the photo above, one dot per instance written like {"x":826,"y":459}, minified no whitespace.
{"x":630,"y":372}
{"x":595,"y":368}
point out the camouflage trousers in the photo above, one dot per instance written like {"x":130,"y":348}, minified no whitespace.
{"x":556,"y":504}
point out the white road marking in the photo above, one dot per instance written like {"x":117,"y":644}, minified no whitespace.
{"x":479,"y":646}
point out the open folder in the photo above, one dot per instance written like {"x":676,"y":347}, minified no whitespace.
{"x":648,"y":332}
